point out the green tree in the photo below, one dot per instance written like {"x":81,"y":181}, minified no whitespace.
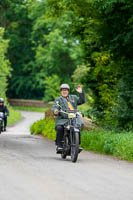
{"x":14,"y":17}
{"x":4,"y":64}
{"x":88,"y":42}
{"x":117,"y":37}
{"x":52,"y":87}
{"x":105,"y":31}
{"x":57,"y":51}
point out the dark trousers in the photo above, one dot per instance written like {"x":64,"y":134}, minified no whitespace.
{"x":5,"y":122}
{"x":59,"y":134}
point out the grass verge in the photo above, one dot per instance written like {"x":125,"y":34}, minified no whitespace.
{"x":14,"y":116}
{"x":34,"y":109}
{"x":105,"y":142}
{"x":111,"y":143}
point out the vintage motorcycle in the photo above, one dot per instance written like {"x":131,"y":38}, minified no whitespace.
{"x":71,"y":138}
{"x":1,"y":121}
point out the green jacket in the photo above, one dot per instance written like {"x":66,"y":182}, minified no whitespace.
{"x":61,"y":119}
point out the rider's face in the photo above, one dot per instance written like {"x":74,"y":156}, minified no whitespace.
{"x":1,"y":103}
{"x":64,"y":92}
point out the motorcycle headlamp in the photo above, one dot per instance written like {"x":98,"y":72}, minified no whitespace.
{"x":71,"y":115}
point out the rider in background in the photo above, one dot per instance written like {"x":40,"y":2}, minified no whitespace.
{"x":5,"y":111}
{"x":67,"y":102}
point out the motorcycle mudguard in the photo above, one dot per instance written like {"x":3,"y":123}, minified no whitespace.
{"x":76,"y":129}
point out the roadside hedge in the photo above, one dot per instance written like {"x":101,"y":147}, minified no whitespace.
{"x":105,"y":142}
{"x":44,"y":127}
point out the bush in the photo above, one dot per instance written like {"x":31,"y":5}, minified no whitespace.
{"x":124,"y":108}
{"x":116,"y":144}
{"x":45,"y":127}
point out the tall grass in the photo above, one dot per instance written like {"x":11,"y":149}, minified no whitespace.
{"x":105,"y":142}
{"x":116,"y":144}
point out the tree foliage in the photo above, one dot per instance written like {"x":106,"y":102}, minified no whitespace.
{"x":4,"y":64}
{"x":86,"y":42}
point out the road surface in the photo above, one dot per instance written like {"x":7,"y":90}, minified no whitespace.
{"x":31,"y":170}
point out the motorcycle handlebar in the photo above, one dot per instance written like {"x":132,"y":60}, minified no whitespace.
{"x":68,"y":111}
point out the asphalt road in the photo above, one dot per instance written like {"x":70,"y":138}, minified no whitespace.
{"x":31,"y":170}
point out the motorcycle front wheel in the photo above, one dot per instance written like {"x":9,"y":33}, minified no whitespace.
{"x":65,"y":146}
{"x":0,"y":127}
{"x":74,"y":146}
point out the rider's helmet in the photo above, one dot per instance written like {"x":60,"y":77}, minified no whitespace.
{"x":1,"y":100}
{"x":64,"y":86}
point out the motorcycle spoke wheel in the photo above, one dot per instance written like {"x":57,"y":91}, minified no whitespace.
{"x":63,"y":156}
{"x":74,"y":146}
{"x":0,"y":128}
{"x":64,"y":153}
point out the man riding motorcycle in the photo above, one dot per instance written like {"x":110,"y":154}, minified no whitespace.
{"x":66,"y":102}
{"x":5,"y":111}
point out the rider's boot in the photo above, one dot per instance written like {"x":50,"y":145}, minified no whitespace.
{"x":2,"y":129}
{"x":59,"y":148}
{"x":80,"y":149}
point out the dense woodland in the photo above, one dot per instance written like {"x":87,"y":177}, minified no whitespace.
{"x":44,"y":43}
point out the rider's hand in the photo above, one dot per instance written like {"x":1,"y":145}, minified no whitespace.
{"x":79,"y":89}
{"x":56,"y":112}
